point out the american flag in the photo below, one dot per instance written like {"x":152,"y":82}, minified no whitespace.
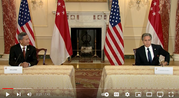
{"x":114,"y":45}
{"x":25,"y":23}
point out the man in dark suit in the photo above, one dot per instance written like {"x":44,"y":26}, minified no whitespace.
{"x":23,"y":54}
{"x":149,"y":54}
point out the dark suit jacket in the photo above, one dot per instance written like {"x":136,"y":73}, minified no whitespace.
{"x":16,"y":55}
{"x":141,"y":58}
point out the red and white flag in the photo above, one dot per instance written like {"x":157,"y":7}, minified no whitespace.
{"x":154,"y":26}
{"x":25,"y":23}
{"x":61,"y":47}
{"x":114,"y":45}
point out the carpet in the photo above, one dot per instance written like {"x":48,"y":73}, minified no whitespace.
{"x":83,"y":59}
{"x":87,"y":82}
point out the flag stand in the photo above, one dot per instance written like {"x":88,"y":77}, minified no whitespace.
{"x":77,"y":54}
{"x":95,"y":55}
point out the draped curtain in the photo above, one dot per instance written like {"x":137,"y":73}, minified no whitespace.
{"x":165,"y":18}
{"x":177,"y":30}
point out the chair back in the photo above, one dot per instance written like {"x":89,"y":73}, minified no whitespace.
{"x":44,"y":56}
{"x":134,"y":50}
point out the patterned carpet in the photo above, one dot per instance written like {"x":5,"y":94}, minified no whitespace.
{"x":87,"y":82}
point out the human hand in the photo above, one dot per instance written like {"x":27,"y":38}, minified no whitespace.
{"x":163,"y":63}
{"x":24,"y":64}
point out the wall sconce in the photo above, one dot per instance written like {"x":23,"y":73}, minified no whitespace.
{"x":37,"y":3}
{"x":137,"y":3}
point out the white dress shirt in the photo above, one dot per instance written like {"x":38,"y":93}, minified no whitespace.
{"x":25,"y":51}
{"x":23,"y":47}
{"x":151,"y":52}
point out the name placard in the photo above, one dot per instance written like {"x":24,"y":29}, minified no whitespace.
{"x":163,"y":70}
{"x":13,"y":70}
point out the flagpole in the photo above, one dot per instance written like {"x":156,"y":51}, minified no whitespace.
{"x":78,"y":54}
{"x":95,"y":54}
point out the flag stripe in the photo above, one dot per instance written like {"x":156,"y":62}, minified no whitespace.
{"x":30,"y":29}
{"x":114,"y":50}
{"x":117,"y":37}
{"x":61,"y":47}
{"x":24,"y":29}
{"x":59,"y":53}
{"x":154,"y":25}
{"x":155,"y":38}
{"x":29,"y":32}
{"x":119,"y":28}
{"x":63,"y":27}
{"x":109,"y":55}
{"x":17,"y":32}
{"x":116,"y":42}
{"x":107,"y":52}
{"x":16,"y":38}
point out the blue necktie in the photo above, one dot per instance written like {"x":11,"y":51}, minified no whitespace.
{"x":149,"y":56}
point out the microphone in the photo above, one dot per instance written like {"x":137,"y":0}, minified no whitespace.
{"x":18,"y":58}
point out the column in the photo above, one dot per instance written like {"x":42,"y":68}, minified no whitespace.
{"x":9,"y":25}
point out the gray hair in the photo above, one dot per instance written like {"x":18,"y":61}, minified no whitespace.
{"x":146,"y":34}
{"x":21,"y":35}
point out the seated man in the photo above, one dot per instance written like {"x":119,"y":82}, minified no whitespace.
{"x":148,"y":54}
{"x":23,"y":54}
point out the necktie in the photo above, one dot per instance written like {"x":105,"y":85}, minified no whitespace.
{"x":23,"y":52}
{"x":149,"y":56}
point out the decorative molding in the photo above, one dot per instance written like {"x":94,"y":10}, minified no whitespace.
{"x":171,"y":37}
{"x":176,"y":57}
{"x":135,"y":26}
{"x":130,"y":37}
{"x":45,"y":5}
{"x":43,"y":37}
{"x":86,"y":26}
{"x":126,"y":5}
{"x":40,"y":25}
{"x":88,"y":16}
{"x":1,"y":37}
{"x":4,"y":57}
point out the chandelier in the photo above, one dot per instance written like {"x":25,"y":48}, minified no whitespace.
{"x":138,"y":3}
{"x":36,"y":3}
